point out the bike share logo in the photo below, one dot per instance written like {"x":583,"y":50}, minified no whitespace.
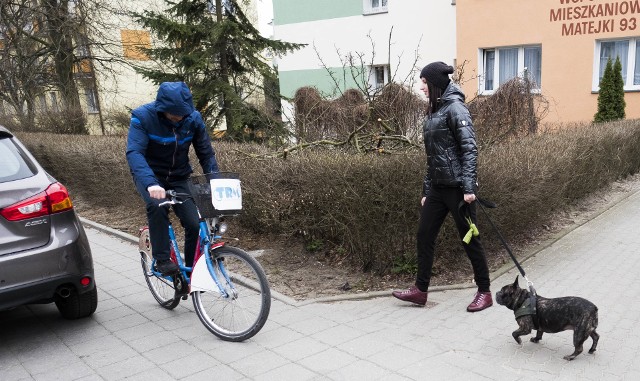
{"x":226,"y":194}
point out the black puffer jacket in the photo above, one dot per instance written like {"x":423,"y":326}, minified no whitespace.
{"x":451,"y":160}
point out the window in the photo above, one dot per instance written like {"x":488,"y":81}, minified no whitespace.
{"x":92,"y":101}
{"x":42,"y":103}
{"x":628,"y":50}
{"x":82,"y":50}
{"x":374,"y":6}
{"x":133,"y":41}
{"x":14,"y":164}
{"x":227,"y":7}
{"x":378,"y":76}
{"x":54,"y":101}
{"x":499,"y":65}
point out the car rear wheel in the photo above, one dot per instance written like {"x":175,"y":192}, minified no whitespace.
{"x":77,"y":306}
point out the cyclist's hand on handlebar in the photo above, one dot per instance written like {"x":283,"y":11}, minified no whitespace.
{"x":156,"y":191}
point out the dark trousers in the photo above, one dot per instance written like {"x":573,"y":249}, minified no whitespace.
{"x":158,"y":219}
{"x":439,"y":203}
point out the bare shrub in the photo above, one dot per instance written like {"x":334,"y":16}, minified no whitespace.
{"x":315,"y":117}
{"x":118,"y":121}
{"x":401,"y":110}
{"x":513,"y":110}
{"x":10,"y":122}
{"x":391,"y":116}
{"x":62,"y":122}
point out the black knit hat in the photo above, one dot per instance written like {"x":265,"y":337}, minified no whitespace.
{"x":437,"y":73}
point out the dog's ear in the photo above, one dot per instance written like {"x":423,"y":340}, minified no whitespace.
{"x":515,"y":284}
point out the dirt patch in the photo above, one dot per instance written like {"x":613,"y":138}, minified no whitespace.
{"x":302,"y":275}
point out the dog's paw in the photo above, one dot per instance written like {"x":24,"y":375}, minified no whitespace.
{"x":569,"y":357}
{"x":534,"y":340}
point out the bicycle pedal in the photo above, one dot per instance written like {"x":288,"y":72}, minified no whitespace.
{"x":181,"y":286}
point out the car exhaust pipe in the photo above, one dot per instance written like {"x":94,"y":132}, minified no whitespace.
{"x":64,"y":292}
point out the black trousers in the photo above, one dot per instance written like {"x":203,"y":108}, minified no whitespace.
{"x":158,"y":219}
{"x":439,"y":203}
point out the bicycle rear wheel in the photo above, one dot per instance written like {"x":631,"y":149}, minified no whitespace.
{"x":241,"y":313}
{"x":161,"y":288}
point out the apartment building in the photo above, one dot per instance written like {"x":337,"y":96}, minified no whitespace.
{"x":108,"y":85}
{"x":388,"y":39}
{"x":564,"y":45}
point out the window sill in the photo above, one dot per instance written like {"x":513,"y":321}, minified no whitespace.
{"x":486,"y":93}
{"x":374,"y":12}
{"x":625,"y":90}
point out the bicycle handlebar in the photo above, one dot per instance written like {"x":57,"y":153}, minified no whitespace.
{"x":173,"y":197}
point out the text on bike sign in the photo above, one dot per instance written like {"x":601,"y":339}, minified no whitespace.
{"x":226,"y":194}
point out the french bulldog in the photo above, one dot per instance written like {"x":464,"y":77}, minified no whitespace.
{"x":552,"y":315}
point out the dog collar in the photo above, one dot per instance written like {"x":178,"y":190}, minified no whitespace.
{"x":527,"y":308}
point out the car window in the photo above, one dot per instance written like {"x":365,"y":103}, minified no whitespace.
{"x":14,"y":165}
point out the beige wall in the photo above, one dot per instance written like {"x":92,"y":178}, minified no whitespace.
{"x":567,"y":60}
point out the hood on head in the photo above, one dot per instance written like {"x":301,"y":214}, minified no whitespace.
{"x":174,"y":98}
{"x":452,"y":92}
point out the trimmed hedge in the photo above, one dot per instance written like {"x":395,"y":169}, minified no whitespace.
{"x":366,"y":207}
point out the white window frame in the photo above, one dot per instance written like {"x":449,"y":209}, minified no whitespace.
{"x":92,"y":100}
{"x":631,"y":63}
{"x":42,"y":103}
{"x":369,"y":9}
{"x":373,"y":76}
{"x":496,"y":67}
{"x":53,"y":99}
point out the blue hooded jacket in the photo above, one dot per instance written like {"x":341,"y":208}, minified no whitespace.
{"x":158,"y":149}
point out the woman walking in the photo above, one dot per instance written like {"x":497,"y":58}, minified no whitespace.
{"x":450,"y":183}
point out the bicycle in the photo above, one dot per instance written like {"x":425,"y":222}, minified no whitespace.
{"x":229,"y":288}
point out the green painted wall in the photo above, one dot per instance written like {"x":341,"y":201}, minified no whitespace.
{"x":295,"y":11}
{"x":291,"y":81}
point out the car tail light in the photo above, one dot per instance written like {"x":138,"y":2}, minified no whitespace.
{"x":58,"y":196}
{"x":54,"y":199}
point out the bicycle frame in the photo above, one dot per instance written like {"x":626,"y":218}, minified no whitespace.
{"x":203,"y":277}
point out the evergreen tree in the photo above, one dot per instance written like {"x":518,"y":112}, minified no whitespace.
{"x":611,"y":102}
{"x":619,"y":103}
{"x":213,"y":47}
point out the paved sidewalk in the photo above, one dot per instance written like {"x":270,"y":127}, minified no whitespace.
{"x":130,"y":336}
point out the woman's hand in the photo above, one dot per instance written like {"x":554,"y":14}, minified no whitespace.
{"x":422,"y":201}
{"x":469,"y":198}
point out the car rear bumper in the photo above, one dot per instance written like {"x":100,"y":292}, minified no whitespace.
{"x":42,"y":291}
{"x":34,"y":276}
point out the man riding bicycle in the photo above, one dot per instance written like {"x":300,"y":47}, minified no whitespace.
{"x":160,"y":135}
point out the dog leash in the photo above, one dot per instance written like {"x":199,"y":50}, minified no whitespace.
{"x":473,"y":230}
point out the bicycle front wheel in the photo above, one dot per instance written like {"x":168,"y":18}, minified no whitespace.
{"x":241,"y":310}
{"x":161,"y":288}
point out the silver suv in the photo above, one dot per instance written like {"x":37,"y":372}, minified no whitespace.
{"x":44,"y":252}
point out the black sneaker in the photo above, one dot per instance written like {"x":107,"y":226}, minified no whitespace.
{"x":165,"y":267}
